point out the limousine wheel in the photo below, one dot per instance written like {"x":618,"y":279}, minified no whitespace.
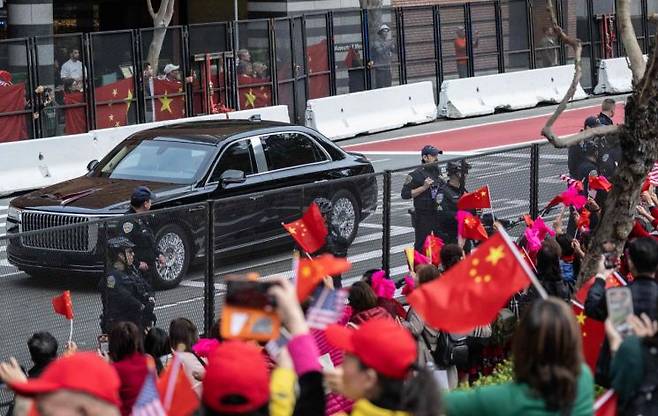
{"x":172,"y":242}
{"x":344,"y":214}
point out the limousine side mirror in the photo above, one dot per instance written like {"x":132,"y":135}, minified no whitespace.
{"x":92,"y":165}
{"x":231,"y":176}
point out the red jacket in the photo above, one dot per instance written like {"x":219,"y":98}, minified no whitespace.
{"x":132,"y":372}
{"x":363,"y":316}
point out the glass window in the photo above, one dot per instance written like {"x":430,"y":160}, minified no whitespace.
{"x":159,"y":160}
{"x":286,"y":150}
{"x":238,"y":156}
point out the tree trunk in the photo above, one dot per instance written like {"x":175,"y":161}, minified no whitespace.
{"x":639,"y":152}
{"x":155,"y":47}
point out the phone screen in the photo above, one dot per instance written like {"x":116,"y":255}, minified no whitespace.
{"x":620,"y":307}
{"x":103,"y":344}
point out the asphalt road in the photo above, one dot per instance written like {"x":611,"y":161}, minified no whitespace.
{"x":25,"y":305}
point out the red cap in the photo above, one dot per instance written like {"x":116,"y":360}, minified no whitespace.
{"x":380,"y":344}
{"x":236,"y":380}
{"x":84,"y":372}
{"x":5,"y":76}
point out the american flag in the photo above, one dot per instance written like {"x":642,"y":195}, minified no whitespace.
{"x":653,"y":175}
{"x":148,"y":402}
{"x":571,"y":181}
{"x":327,"y":308}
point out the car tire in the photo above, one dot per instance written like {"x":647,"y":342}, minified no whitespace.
{"x":345,"y":214}
{"x":172,"y":241}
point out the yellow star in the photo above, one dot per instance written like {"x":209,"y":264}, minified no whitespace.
{"x":292,"y":230}
{"x":111,"y":117}
{"x":581,"y":319}
{"x":128,"y":99}
{"x":114,"y":92}
{"x":306,"y":271}
{"x":483,"y":194}
{"x":166,"y":103}
{"x":495,"y":254}
{"x":250,"y":99}
{"x":117,"y":124}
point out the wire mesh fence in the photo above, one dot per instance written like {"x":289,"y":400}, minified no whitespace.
{"x":45,"y":253}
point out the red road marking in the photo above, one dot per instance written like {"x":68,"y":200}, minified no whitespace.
{"x":488,"y":135}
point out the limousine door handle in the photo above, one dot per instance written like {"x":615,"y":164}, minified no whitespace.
{"x":196,"y":208}
{"x":321,"y":180}
{"x":255,"y":197}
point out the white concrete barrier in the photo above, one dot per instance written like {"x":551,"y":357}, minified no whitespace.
{"x":33,"y":164}
{"x":348,"y":115}
{"x":615,"y":76}
{"x":468,"y":97}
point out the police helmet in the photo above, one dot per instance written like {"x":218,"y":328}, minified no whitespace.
{"x":591,"y":122}
{"x":140,"y":195}
{"x":455,"y":168}
{"x":324,"y":204}
{"x":118,"y":245}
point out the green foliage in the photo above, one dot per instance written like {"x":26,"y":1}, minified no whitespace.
{"x":502,"y":373}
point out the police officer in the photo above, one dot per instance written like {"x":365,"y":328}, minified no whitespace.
{"x":609,"y":151}
{"x":138,"y":230}
{"x":423,"y":185}
{"x":125,"y":295}
{"x":587,"y":167}
{"x":452,"y":191}
{"x":335,"y":243}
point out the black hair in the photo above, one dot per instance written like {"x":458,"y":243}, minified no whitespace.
{"x":564,"y":240}
{"x":362,"y":297}
{"x":451,"y":254}
{"x":124,"y":339}
{"x":548,"y":261}
{"x":367,"y":275}
{"x":183,"y":331}
{"x":643,"y":252}
{"x":156,"y":344}
{"x":418,"y":394}
{"x":43,"y":347}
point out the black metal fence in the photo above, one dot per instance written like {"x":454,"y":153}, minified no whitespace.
{"x":255,"y":63}
{"x":246,"y":235}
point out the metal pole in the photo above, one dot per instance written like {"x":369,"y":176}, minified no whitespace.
{"x":534,"y":180}
{"x":386,"y":223}
{"x":236,"y":17}
{"x":209,"y":285}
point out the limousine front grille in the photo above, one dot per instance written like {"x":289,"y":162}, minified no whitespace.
{"x":78,"y":237}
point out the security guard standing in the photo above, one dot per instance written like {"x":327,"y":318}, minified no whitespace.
{"x":452,"y":191}
{"x":424,"y":185}
{"x":125,"y":295}
{"x":138,"y":230}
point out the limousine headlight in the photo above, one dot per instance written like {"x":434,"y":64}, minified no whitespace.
{"x":14,"y":214}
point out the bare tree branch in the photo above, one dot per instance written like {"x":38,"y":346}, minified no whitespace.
{"x":629,"y":40}
{"x":577,"y":47}
{"x":170,"y":11}
{"x":149,"y":5}
{"x":566,"y":141}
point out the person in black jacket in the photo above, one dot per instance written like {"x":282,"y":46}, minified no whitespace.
{"x":335,"y":243}
{"x":138,"y":230}
{"x":125,"y":295}
{"x":423,"y":185}
{"x":451,"y":192}
{"x":642,"y":263}
{"x":43,"y":351}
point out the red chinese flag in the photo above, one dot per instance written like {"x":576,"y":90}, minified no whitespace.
{"x":170,"y":104}
{"x":309,"y":231}
{"x":599,"y":183}
{"x":176,"y":392}
{"x":318,"y":61}
{"x":583,"y":219}
{"x":115,"y":112}
{"x":14,"y":127}
{"x":310,"y":272}
{"x":555,"y":202}
{"x":477,"y":199}
{"x":63,"y":305}
{"x":606,"y":405}
{"x":432,"y":248}
{"x":592,"y":332}
{"x":470,"y":227}
{"x":75,"y":117}
{"x":472,"y":292}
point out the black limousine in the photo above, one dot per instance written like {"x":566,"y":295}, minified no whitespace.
{"x":242,"y":165}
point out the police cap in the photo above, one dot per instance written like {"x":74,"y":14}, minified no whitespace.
{"x":140,"y":195}
{"x":120,"y":243}
{"x":591,"y":122}
{"x":430,"y":150}
{"x":456,"y":167}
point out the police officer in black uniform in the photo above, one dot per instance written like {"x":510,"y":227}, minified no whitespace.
{"x":335,"y":243}
{"x":424,"y":185}
{"x":125,"y":295}
{"x":138,"y":230}
{"x":609,"y":151}
{"x":451,"y":192}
